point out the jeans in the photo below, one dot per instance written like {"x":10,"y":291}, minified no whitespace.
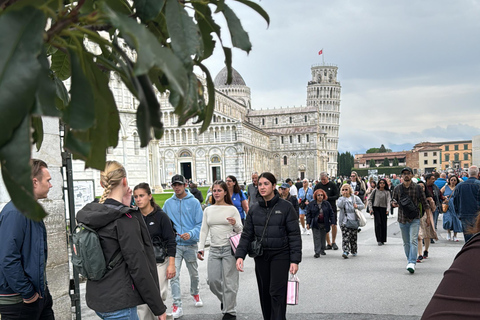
{"x":410,"y":239}
{"x":223,"y":277}
{"x":40,"y":309}
{"x":123,"y":314}
{"x":435,"y":218}
{"x":189,"y":254}
{"x":467,"y":223}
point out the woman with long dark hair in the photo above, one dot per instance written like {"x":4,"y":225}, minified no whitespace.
{"x":162,"y":234}
{"x":379,"y":205}
{"x":274,"y":223}
{"x":238,"y":197}
{"x":220,"y":219}
{"x":450,"y":218}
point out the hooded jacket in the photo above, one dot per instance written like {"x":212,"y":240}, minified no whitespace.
{"x":282,"y":233}
{"x":134,"y":280}
{"x":186,"y":215}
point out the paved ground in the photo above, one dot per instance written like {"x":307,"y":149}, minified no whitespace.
{"x":373,"y":285}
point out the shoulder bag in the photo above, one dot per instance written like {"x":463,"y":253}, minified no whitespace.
{"x":256,"y":249}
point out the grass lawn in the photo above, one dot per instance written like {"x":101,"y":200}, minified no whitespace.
{"x":160,"y":198}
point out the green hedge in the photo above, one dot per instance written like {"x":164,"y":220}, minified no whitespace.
{"x":381,"y":170}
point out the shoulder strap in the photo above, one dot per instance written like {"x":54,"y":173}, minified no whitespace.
{"x":266,"y":224}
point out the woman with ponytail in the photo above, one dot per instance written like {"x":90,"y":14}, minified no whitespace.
{"x":133,"y":280}
{"x":162,"y":234}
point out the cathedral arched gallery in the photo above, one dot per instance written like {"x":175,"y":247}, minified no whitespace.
{"x":289,"y":142}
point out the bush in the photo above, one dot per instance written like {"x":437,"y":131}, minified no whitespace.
{"x":381,"y":170}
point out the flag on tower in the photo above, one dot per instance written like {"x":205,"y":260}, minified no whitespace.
{"x":320,"y":52}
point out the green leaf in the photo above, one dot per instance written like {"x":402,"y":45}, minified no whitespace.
{"x":183,"y":32}
{"x":240,"y":38}
{"x":210,"y":107}
{"x":148,"y":9}
{"x":207,"y":25}
{"x":76,"y":143}
{"x":120,"y":6}
{"x":21,"y":43}
{"x":61,"y":65}
{"x":62,"y":98}
{"x":80,"y":113}
{"x":17,"y":173}
{"x":257,"y":8}
{"x":37,"y":135}
{"x":148,"y":112}
{"x":45,"y":95}
{"x":228,"y":63}
{"x":149,"y":50}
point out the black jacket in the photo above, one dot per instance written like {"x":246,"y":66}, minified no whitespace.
{"x":294,"y":201}
{"x":332,"y":192}
{"x":134,"y":280}
{"x":282,"y":233}
{"x":197,"y":194}
{"x":160,"y":225}
{"x":313,"y":211}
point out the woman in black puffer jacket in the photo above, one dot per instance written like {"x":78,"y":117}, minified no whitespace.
{"x":282,"y":246}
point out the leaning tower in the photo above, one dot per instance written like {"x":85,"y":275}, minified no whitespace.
{"x":323,"y":92}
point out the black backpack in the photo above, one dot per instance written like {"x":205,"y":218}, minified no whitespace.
{"x":410,"y":210}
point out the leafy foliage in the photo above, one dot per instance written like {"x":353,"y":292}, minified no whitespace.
{"x":372,"y":164}
{"x":152,"y":45}
{"x":382,"y":149}
{"x":395,"y":162}
{"x":386,"y":163}
{"x":345,"y":163}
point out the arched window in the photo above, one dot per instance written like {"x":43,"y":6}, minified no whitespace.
{"x":291,"y":120}
{"x":136,"y":143}
{"x":284,"y":160}
{"x":215,"y":159}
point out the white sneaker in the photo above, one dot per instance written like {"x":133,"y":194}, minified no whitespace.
{"x":197,"y":300}
{"x":304,"y":231}
{"x":177,"y":312}
{"x":308,"y":231}
{"x":455,"y":239}
{"x":411,"y":267}
{"x":449,"y":237}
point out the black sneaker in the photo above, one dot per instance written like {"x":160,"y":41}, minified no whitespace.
{"x":323,"y":253}
{"x":425,"y":254}
{"x":316,"y":255}
{"x":229,"y":316}
{"x":380,"y":243}
{"x":329,"y":247}
{"x":334,"y":246}
{"x":419,"y":259}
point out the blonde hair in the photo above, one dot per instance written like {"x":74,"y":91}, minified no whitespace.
{"x":111,"y":177}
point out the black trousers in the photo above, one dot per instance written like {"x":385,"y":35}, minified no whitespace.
{"x":272,"y":279}
{"x":380,"y":216}
{"x":38,"y":310}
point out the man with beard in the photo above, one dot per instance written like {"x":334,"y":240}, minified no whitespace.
{"x":332,"y":192}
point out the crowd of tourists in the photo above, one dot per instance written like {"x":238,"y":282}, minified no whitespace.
{"x":144,"y":245}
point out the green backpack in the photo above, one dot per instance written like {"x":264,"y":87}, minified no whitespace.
{"x":88,"y":256}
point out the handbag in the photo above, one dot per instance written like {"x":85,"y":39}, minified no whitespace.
{"x":292,"y":289}
{"x":352,"y":224}
{"x":362,"y":222}
{"x":159,"y":250}
{"x":234,"y":239}
{"x":256,"y":249}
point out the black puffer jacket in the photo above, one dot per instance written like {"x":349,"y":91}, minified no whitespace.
{"x":282,"y":232}
{"x":134,"y":280}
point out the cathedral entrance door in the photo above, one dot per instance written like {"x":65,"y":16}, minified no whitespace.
{"x":216,"y":175}
{"x":186,"y":168}
{"x":302,"y":175}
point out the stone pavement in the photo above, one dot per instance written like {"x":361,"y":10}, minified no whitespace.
{"x":373,"y":285}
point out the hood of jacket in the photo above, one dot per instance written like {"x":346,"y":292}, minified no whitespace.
{"x":189,"y":195}
{"x":97,"y":215}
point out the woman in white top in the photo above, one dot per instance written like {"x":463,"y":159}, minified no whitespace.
{"x":221,"y":219}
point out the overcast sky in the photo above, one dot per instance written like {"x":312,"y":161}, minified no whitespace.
{"x":409,"y":70}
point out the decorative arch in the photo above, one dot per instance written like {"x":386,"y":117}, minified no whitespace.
{"x":185,"y":154}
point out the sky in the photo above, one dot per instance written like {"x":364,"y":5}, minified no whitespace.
{"x":409,"y":70}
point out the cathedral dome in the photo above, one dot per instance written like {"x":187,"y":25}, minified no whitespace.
{"x":221,"y":78}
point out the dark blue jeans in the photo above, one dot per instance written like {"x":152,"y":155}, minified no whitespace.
{"x":38,"y":310}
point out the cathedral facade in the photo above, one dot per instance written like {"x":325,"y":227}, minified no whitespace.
{"x":289,"y":142}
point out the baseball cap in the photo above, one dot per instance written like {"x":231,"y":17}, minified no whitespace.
{"x":285,"y":185}
{"x":178,"y":178}
{"x":407,"y":169}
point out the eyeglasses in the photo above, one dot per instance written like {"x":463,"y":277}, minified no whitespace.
{"x":228,"y":180}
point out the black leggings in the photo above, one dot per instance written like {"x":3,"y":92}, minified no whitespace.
{"x":380,"y":215}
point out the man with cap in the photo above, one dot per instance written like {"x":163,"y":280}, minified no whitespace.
{"x":333,"y":194}
{"x":409,"y":226}
{"x":186,"y":214}
{"x":284,"y":191}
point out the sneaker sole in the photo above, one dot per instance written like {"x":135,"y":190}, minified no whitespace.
{"x":411,"y":270}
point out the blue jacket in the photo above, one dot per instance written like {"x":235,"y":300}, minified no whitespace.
{"x":186,"y":215}
{"x":466,"y":198}
{"x":302,"y":195}
{"x":23,"y":254}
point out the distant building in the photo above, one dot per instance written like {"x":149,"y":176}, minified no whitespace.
{"x":363,"y":160}
{"x":456,"y":154}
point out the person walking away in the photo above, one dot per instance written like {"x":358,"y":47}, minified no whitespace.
{"x":379,"y":205}
{"x":348,"y":219}
{"x":450,"y":219}
{"x":284,"y":191}
{"x":24,"y":291}
{"x":122,"y":233}
{"x":298,"y":184}
{"x":186,"y":214}
{"x":305,"y":195}
{"x":319,"y":218}
{"x":252,"y":189}
{"x":441,"y":181}
{"x":466,"y":201}
{"x":434,"y":192}
{"x":220,"y":219}
{"x":333,"y":194}
{"x":238,"y":198}
{"x":161,"y":234}
{"x":409,"y":220}
{"x":196,"y":193}
{"x":281,"y":243}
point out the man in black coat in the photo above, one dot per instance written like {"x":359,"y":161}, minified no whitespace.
{"x":196,"y":193}
{"x":331,"y":190}
{"x":284,"y":191}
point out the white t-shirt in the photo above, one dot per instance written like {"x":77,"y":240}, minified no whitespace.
{"x":293,"y":190}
